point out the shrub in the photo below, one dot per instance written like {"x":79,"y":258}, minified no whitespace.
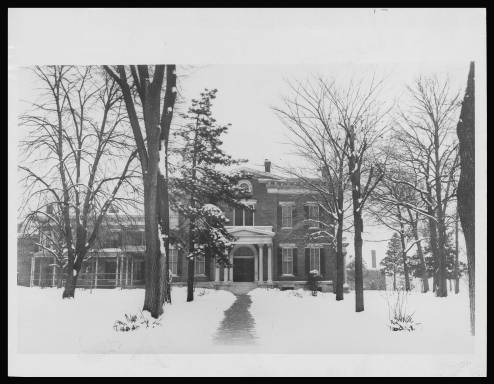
{"x":134,"y":322}
{"x":313,"y":281}
{"x":400,"y":317}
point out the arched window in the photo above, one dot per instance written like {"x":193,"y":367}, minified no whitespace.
{"x":245,"y":185}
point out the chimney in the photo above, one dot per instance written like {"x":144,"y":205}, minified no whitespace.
{"x":373,"y":254}
{"x":267,"y":166}
{"x":49,"y":209}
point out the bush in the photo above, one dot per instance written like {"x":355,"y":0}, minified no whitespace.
{"x":400,"y":317}
{"x":134,"y":322}
{"x":313,"y":281}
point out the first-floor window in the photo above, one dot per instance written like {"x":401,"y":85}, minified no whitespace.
{"x":315,"y":259}
{"x":200,"y":265}
{"x":287,"y":261}
{"x":174,"y":261}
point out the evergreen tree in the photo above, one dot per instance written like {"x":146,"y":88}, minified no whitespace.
{"x":392,"y":264}
{"x":203,"y":184}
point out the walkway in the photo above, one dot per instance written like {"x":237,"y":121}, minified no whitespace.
{"x":238,"y":326}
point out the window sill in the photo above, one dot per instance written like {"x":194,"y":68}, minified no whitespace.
{"x":200,"y":275}
{"x":288,"y":275}
{"x":286,"y":228}
{"x":314,"y":228}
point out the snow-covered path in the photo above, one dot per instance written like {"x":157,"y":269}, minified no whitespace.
{"x":238,"y":326}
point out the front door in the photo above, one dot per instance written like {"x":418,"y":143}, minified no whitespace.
{"x":243,"y":269}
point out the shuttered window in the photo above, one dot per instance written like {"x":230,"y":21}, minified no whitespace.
{"x":314,"y":216}
{"x":315,"y":260}
{"x":287,"y":261}
{"x":286,"y":216}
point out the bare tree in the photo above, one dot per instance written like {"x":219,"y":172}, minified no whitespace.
{"x":142,"y":94}
{"x":466,"y":188}
{"x":361,"y":115}
{"x":425,"y":132}
{"x":311,"y":118}
{"x":77,"y":159}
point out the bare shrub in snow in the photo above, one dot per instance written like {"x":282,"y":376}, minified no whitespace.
{"x":400,"y":317}
{"x":134,"y":322}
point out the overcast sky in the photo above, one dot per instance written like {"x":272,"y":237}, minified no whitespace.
{"x":258,"y":50}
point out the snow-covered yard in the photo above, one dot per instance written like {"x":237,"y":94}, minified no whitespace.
{"x":283,"y":322}
{"x":48,"y":324}
{"x":296,"y":322}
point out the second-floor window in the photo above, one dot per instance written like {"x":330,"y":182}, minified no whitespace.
{"x":313,"y":215}
{"x":173,"y":219}
{"x":112,"y":239}
{"x":243,"y":216}
{"x":135,"y":237}
{"x":286,"y":216}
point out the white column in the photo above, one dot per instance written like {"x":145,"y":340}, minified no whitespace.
{"x":256,"y":268}
{"x":31,"y":275}
{"x":132,"y":271}
{"x":54,"y":271}
{"x":270,"y":268}
{"x":231,"y":268}
{"x":96,"y":274}
{"x":126,"y":271}
{"x":261,"y":277}
{"x":225,"y":274}
{"x":216,"y":272}
{"x":116,"y":271}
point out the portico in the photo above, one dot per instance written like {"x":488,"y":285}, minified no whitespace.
{"x":247,"y":258}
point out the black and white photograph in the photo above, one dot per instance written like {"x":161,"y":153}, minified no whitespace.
{"x":247,"y":192}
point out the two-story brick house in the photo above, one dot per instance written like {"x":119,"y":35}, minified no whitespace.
{"x":271,"y":246}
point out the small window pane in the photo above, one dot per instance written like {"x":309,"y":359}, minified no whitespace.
{"x":239,"y":216}
{"x":249,"y":216}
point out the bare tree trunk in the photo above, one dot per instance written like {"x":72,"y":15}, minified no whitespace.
{"x":466,"y":185}
{"x":457,"y":267}
{"x":340,"y":267}
{"x":403,"y":251}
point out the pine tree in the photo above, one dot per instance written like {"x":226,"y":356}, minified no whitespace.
{"x":204,"y":184}
{"x":392,"y":264}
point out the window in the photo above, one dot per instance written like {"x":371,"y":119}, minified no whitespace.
{"x":173,"y":219}
{"x":313,"y":216}
{"x":112,"y":240}
{"x":243,"y":217}
{"x":135,"y":237}
{"x":315,"y":259}
{"x":287,"y":261}
{"x":286,"y":216}
{"x":174,"y":261}
{"x":200,"y":265}
{"x":245,"y":185}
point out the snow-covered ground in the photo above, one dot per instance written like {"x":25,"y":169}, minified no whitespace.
{"x":284,"y":322}
{"x":295,"y":321}
{"x":48,"y":324}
